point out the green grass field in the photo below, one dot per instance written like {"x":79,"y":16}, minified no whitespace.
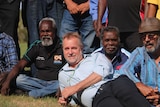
{"x":25,"y":101}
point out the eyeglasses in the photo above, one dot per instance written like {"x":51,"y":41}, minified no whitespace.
{"x":151,"y":36}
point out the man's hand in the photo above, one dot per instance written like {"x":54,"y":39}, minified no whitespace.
{"x":72,"y":7}
{"x":65,"y":94}
{"x":62,"y":101}
{"x":5,"y":89}
{"x":68,"y":91}
{"x":83,"y":7}
{"x":95,"y":24}
{"x":99,"y":28}
{"x":151,"y":94}
{"x":145,"y":90}
{"x":153,"y":99}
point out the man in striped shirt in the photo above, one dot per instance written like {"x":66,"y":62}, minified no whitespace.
{"x":145,"y":61}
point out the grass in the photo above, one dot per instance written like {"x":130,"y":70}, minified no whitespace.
{"x":25,"y":101}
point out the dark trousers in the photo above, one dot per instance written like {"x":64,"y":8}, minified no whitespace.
{"x":9,"y":17}
{"x":130,"y":40}
{"x":120,"y":92}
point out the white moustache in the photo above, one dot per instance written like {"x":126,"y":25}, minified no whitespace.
{"x":46,"y":37}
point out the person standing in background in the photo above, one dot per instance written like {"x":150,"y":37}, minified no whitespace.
{"x":153,"y":8}
{"x":9,"y":16}
{"x":125,"y":15}
{"x":94,"y":13}
{"x":76,"y":18}
{"x":35,"y":10}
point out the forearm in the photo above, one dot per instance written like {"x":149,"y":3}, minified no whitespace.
{"x":145,"y":8}
{"x":68,"y":2}
{"x":90,"y":80}
{"x":152,"y":10}
{"x":102,"y":4}
{"x":16,"y":69}
{"x":11,"y":58}
{"x":13,"y":73}
{"x":94,"y":9}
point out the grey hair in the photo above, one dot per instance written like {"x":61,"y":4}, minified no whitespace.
{"x":48,"y":19}
{"x":73,"y":35}
{"x":110,"y":29}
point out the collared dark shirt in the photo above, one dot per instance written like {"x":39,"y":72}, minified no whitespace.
{"x":48,"y":60}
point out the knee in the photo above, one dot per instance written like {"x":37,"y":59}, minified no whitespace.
{"x":20,"y":79}
{"x":123,"y":85}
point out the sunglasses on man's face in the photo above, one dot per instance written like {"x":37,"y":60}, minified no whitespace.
{"x":150,"y":36}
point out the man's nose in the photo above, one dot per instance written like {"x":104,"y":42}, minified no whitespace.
{"x":110,"y":42}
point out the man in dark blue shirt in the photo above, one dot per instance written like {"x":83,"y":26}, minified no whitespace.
{"x":110,"y":40}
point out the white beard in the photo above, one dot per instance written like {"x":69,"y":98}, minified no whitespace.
{"x":154,"y":48}
{"x":47,"y":40}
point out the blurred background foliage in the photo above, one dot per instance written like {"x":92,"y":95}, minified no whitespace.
{"x":22,"y":31}
{"x":22,"y":36}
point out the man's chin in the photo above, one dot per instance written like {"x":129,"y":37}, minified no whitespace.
{"x":47,"y":43}
{"x":111,"y":52}
{"x":150,"y":50}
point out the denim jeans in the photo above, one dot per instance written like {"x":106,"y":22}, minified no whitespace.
{"x":36,"y":87}
{"x":9,"y":16}
{"x":82,"y":25}
{"x":38,"y":9}
{"x":33,"y":19}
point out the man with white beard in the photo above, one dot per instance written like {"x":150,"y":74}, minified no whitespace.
{"x":145,"y":61}
{"x":46,"y":54}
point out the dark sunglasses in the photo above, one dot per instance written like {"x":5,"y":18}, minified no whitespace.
{"x":151,"y":35}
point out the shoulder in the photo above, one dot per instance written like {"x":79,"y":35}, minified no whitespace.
{"x":138,"y":53}
{"x":35,"y":44}
{"x":100,"y":58}
{"x":6,"y":40}
{"x":5,"y":36}
{"x":125,"y":52}
{"x":98,"y":50}
{"x":34,"y":47}
{"x":139,"y":50}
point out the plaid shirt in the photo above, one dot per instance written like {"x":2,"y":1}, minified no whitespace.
{"x":8,"y":53}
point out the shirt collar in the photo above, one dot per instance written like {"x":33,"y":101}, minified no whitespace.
{"x":116,"y":57}
{"x":67,"y":68}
